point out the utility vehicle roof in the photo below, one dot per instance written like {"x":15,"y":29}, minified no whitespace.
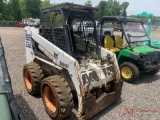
{"x":120,"y":19}
{"x":70,"y":6}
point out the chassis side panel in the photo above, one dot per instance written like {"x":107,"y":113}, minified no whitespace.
{"x":128,"y":53}
{"x":59,"y":57}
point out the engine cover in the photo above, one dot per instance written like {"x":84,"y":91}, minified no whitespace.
{"x":94,"y":75}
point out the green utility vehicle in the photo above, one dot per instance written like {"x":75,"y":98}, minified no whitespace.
{"x":132,"y":46}
{"x":8,"y":107}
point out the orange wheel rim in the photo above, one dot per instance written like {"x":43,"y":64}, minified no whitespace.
{"x":49,"y":99}
{"x":27,"y":79}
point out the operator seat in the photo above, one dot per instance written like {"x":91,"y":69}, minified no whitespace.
{"x":109,"y":43}
{"x":119,"y":42}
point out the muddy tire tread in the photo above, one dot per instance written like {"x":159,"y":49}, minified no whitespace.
{"x":37,"y":75}
{"x":64,"y":94}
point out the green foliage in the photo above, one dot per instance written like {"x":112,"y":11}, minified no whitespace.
{"x":101,"y":12}
{"x":32,"y":8}
{"x":16,"y":10}
{"x":106,"y":8}
{"x":2,"y":7}
{"x":124,"y":8}
{"x":113,"y":7}
{"x":13,"y":10}
{"x":88,"y":3}
{"x":45,"y":3}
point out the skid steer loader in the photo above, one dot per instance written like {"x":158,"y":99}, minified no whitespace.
{"x":72,"y":73}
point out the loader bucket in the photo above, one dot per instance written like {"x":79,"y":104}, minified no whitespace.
{"x":92,"y":105}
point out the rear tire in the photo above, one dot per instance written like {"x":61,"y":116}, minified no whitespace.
{"x":33,"y":75}
{"x":153,"y":72}
{"x":57,"y":97}
{"x":129,"y":72}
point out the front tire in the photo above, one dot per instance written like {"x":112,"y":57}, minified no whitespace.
{"x":57,"y":97}
{"x":33,"y":75}
{"x":129,"y":72}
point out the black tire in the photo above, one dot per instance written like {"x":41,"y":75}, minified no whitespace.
{"x":134,"y":70}
{"x":33,"y":75}
{"x":57,"y":97}
{"x":153,"y":72}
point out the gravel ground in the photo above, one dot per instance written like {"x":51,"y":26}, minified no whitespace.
{"x":139,"y":101}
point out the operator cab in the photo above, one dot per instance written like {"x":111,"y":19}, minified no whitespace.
{"x":66,"y":27}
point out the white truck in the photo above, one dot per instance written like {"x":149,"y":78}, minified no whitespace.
{"x":88,"y":28}
{"x":32,"y":21}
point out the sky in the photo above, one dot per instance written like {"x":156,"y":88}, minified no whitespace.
{"x":135,"y":6}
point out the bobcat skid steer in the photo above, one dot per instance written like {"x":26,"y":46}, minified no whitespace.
{"x":66,"y":67}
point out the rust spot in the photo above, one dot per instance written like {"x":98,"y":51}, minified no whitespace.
{"x":79,"y":79}
{"x":108,"y":86}
{"x":81,"y":86}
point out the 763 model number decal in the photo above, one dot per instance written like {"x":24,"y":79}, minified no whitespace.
{"x":28,"y":41}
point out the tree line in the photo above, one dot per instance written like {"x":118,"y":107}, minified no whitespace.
{"x":110,"y":7}
{"x":16,"y":10}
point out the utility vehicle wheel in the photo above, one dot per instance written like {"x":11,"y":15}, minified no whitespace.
{"x":152,"y":72}
{"x":129,"y":72}
{"x":33,"y":75}
{"x":57,"y":97}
